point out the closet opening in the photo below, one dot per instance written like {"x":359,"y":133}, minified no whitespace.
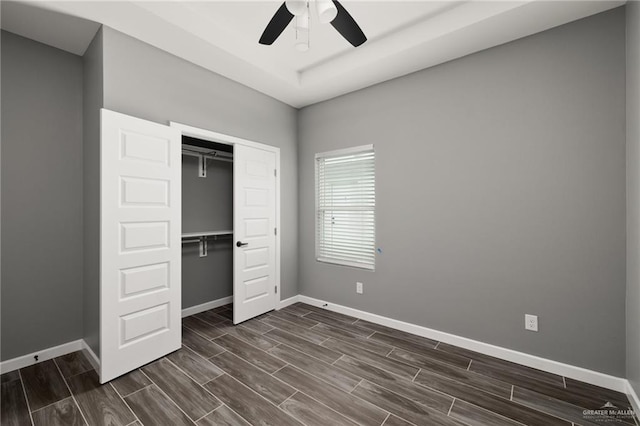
{"x":207,"y":222}
{"x":230,"y":223}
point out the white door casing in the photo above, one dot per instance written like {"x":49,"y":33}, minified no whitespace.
{"x":254,"y":227}
{"x":246,"y":309}
{"x":140,"y":258}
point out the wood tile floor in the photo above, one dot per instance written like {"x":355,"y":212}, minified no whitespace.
{"x":300,"y":366}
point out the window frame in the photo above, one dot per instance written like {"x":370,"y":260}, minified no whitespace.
{"x":333,"y":154}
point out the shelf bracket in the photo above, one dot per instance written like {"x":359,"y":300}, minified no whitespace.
{"x":202,"y":166}
{"x":203,"y":246}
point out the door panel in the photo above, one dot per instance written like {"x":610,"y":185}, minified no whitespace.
{"x":140,"y":288}
{"x":254,"y":216}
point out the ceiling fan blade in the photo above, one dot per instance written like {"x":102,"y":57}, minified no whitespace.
{"x":347,"y":26}
{"x":276,"y":26}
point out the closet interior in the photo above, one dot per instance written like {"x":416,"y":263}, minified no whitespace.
{"x":207,"y":221}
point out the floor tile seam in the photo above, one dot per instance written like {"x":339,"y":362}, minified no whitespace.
{"x":344,"y":326}
{"x":260,"y":396}
{"x":210,"y":412}
{"x":234,"y":411}
{"x":50,"y":404}
{"x":490,"y":411}
{"x":245,"y":359}
{"x":266,"y":372}
{"x":300,"y":336}
{"x":196,"y":382}
{"x":468,"y":402}
{"x":416,"y":375}
{"x":290,"y":322}
{"x":545,"y":379}
{"x":126,"y":403}
{"x":308,"y":354}
{"x":315,"y":376}
{"x":191,"y":376}
{"x":491,"y":394}
{"x":452,"y":402}
{"x":421,"y":352}
{"x":521,"y":405}
{"x":200,"y":334}
{"x":572,"y":405}
{"x":26,"y":399}
{"x":82,"y":372}
{"x":408,"y":397}
{"x":71,"y":392}
{"x":336,"y":411}
{"x":167,"y":396}
{"x":386,"y":418}
{"x":327,"y":383}
{"x":440,"y":374}
{"x":357,"y":358}
{"x":288,"y":398}
{"x":242,"y":340}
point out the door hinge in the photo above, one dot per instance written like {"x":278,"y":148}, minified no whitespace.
{"x":275,"y":172}
{"x":275,"y":231}
{"x":276,"y":289}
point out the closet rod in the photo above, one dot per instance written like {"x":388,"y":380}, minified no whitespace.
{"x":197,"y":240}
{"x":212,"y":155}
{"x":206,"y":234}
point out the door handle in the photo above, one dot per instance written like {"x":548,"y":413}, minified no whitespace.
{"x":241,"y":244}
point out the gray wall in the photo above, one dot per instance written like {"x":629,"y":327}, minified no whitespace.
{"x":633,"y":195}
{"x":41,"y":196}
{"x":146,"y":82}
{"x":92,"y":102}
{"x":500,"y":191}
{"x":207,"y":205}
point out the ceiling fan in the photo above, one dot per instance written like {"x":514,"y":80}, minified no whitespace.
{"x":329,"y":11}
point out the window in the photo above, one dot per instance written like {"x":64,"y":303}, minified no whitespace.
{"x":345,"y":207}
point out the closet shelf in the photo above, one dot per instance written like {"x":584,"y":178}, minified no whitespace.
{"x":205,"y":234}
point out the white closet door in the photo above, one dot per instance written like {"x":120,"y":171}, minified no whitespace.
{"x":254,"y":222}
{"x":140,"y":243}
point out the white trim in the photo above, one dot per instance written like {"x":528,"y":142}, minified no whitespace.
{"x":345,"y":151}
{"x":287,"y":302}
{"x":93,"y":358}
{"x":192,"y":310}
{"x":577,"y":373}
{"x":633,"y":398}
{"x":565,"y":370}
{"x":43,"y":355}
{"x":209,"y":135}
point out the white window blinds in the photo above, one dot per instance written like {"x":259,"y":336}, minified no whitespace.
{"x":345,"y":207}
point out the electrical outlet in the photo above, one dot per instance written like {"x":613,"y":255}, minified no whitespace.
{"x":359,"y":288}
{"x":531,"y":322}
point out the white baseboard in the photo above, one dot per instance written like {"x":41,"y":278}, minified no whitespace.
{"x":186,"y":312}
{"x":93,"y":358}
{"x":290,"y":301}
{"x":225,"y":301}
{"x":578,"y":373}
{"x":566,"y":370}
{"x":43,"y":355}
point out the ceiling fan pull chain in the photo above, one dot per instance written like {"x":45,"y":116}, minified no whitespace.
{"x":302,"y":31}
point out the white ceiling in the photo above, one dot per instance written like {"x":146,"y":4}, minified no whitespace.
{"x":404,"y":36}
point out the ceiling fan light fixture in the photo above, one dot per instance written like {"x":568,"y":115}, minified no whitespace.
{"x":302,"y":32}
{"x":327,"y":11}
{"x":296,"y":7}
